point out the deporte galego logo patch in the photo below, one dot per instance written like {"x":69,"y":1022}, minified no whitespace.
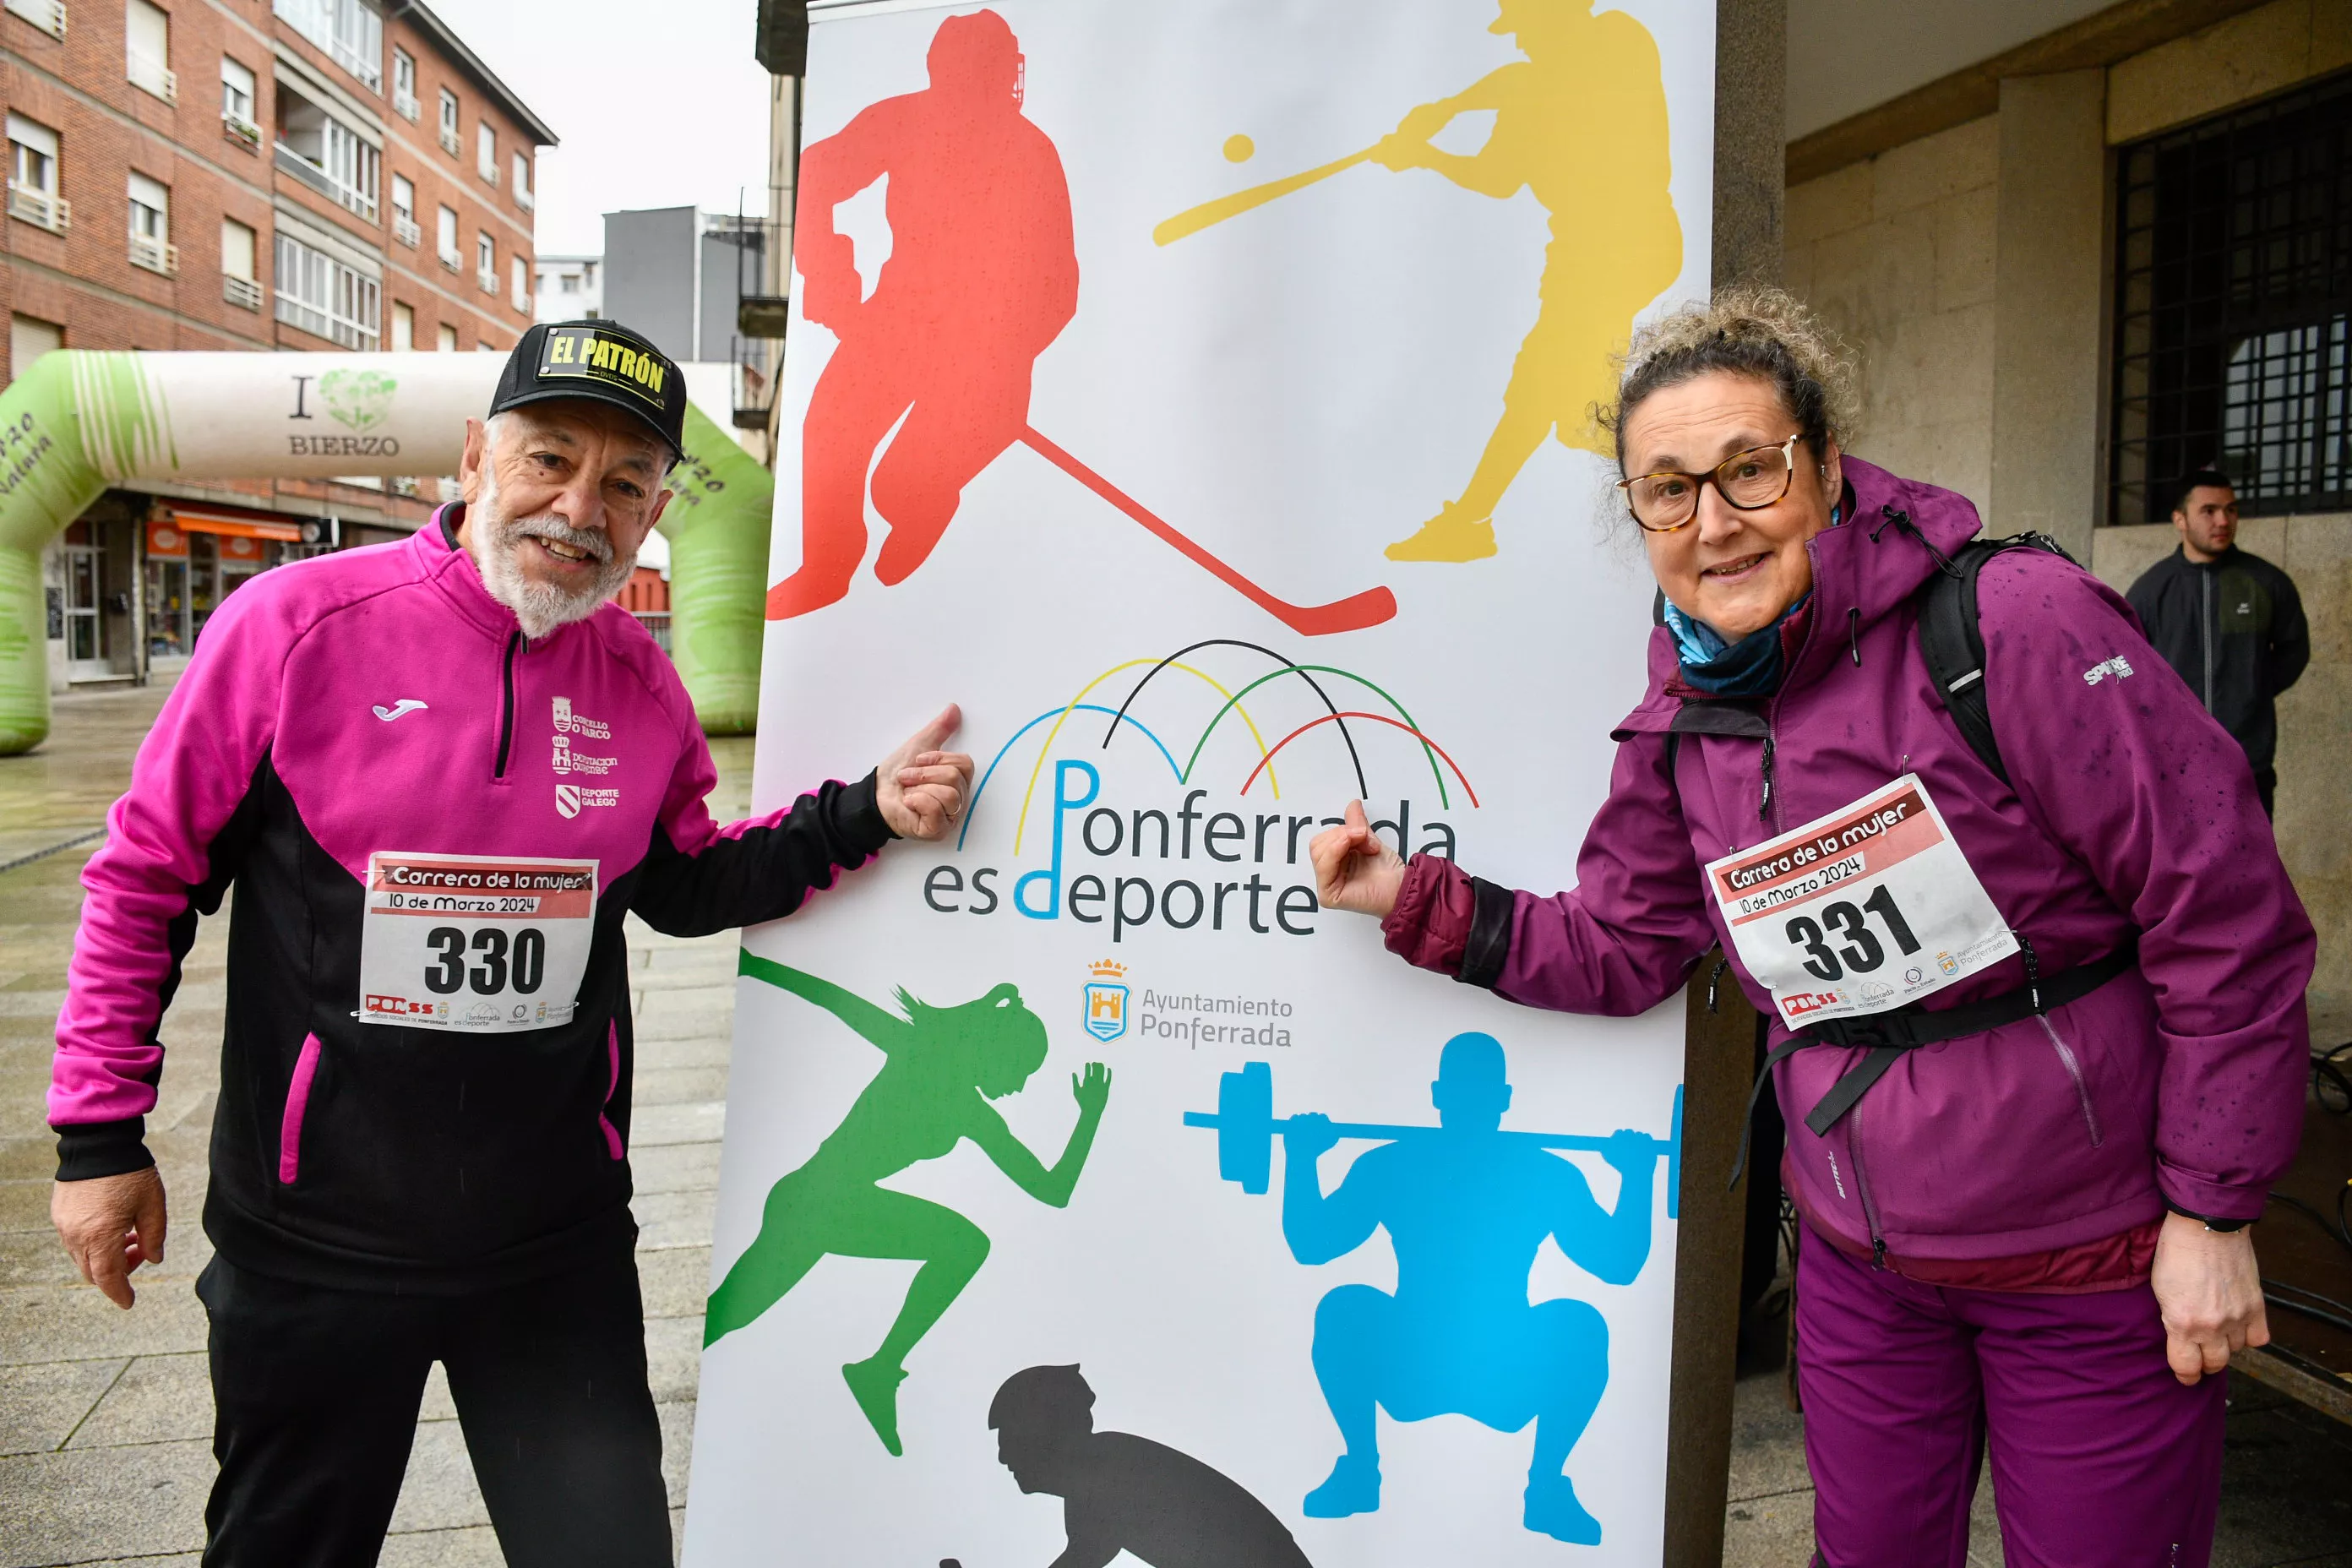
{"x":571,"y":800}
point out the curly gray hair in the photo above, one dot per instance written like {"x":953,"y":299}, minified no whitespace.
{"x":1762,"y":332}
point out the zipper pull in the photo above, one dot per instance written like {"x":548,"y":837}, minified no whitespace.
{"x":1878,"y":1252}
{"x":1764,"y":808}
{"x":1713,"y":981}
{"x":2033,"y":970}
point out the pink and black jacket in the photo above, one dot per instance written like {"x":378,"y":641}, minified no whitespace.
{"x":380,"y":700}
{"x":2129,"y":819}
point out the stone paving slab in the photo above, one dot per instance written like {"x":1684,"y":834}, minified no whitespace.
{"x":89,"y":1504}
{"x":651,"y":1126}
{"x":677,"y":1086}
{"x":674,"y":1167}
{"x":40,"y":1405}
{"x":157,"y":1399}
{"x":667,"y":1220}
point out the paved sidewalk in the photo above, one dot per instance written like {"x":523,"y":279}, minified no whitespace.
{"x":105,"y":1415}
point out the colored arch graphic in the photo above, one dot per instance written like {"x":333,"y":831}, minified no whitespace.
{"x":1022,"y":824}
{"x":1288,"y":666}
{"x":1375,"y":717}
{"x":1233,"y":703}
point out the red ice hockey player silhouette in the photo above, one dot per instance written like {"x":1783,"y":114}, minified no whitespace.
{"x":983,"y":275}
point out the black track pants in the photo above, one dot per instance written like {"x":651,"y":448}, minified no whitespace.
{"x":317,"y":1393}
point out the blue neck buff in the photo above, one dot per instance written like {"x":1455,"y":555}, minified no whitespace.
{"x":1751,"y":666}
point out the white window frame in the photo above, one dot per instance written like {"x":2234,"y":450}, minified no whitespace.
{"x":349,"y":32}
{"x":518,"y":273}
{"x":150,"y":201}
{"x":444,"y":239}
{"x":486,"y":151}
{"x":34,"y":152}
{"x":449,"y":112}
{"x":485,"y":261}
{"x":403,"y":327}
{"x":327,"y":298}
{"x":240,"y":101}
{"x":403,"y":84}
{"x":240,"y":288}
{"x":149,"y":68}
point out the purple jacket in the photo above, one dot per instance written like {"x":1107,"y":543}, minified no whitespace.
{"x":2130,"y":812}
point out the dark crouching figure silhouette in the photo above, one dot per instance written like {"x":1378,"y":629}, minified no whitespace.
{"x":1124,"y":1493}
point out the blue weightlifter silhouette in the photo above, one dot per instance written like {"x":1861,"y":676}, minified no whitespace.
{"x":1465,"y":1208}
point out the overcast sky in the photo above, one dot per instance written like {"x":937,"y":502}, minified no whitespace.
{"x":656,"y":105}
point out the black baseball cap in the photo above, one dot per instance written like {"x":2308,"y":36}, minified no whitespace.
{"x":602,"y":362}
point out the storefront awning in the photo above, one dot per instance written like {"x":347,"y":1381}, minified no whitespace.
{"x":191,"y":519}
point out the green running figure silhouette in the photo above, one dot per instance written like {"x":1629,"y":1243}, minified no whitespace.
{"x":944,"y":1065}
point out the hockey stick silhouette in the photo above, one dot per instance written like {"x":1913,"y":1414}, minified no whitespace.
{"x":1354,"y":613}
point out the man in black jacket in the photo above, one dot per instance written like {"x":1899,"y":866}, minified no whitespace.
{"x":2230,"y":623}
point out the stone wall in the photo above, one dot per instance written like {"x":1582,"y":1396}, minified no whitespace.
{"x":1897,"y":254}
{"x":2315,"y":789}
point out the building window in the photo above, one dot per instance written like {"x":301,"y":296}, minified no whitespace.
{"x":2233,"y":285}
{"x":240,"y":249}
{"x":326,"y":154}
{"x":323,"y":297}
{"x":486,"y":151}
{"x":524,"y":198}
{"x":403,"y":83}
{"x":486,"y":263}
{"x":32,"y":175}
{"x":446,"y":239}
{"x":520,"y":271}
{"x":29,"y":338}
{"x":351,"y":33}
{"x":448,"y":123}
{"x":151,"y":225}
{"x":446,"y":340}
{"x":404,"y":326}
{"x":147,"y":50}
{"x":237,"y":95}
{"x":403,"y":212}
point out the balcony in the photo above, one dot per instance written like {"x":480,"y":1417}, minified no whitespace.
{"x":489,"y":172}
{"x":242,"y":293}
{"x":450,"y":259}
{"x":405,"y":229}
{"x":49,"y":16}
{"x":522,"y":300}
{"x":155,"y":255}
{"x":359,"y":65}
{"x":524,"y":199}
{"x":323,"y":324}
{"x":404,"y":105}
{"x":488,"y":280}
{"x":290,"y":162}
{"x":42,"y":209}
{"x":237,"y":128}
{"x":449,"y":140}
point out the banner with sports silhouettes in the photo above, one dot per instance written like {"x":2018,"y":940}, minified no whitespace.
{"x":1201,"y":395}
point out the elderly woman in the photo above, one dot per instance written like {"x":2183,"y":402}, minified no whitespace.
{"x":2056,"y":1018}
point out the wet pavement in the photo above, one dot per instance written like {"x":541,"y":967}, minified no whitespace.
{"x":106,"y":1415}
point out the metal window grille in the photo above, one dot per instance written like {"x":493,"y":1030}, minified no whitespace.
{"x":2234,"y":271}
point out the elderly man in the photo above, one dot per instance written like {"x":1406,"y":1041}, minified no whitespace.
{"x":2229,"y":622}
{"x":438,"y":774}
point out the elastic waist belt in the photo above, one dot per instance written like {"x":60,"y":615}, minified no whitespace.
{"x":1889,"y":1034}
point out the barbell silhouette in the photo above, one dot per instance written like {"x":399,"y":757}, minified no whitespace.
{"x":1246,"y":1127}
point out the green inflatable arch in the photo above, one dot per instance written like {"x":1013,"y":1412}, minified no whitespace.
{"x":77,"y":421}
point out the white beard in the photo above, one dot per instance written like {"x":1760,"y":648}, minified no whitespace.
{"x":539,"y":607}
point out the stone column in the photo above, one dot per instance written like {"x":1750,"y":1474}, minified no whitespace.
{"x":2049,"y":308}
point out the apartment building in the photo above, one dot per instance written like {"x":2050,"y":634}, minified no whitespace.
{"x":260,"y":174}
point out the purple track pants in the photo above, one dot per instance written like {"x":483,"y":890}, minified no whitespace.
{"x":2099,"y":1456}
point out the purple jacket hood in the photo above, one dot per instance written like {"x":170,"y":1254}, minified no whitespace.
{"x":2129,"y":817}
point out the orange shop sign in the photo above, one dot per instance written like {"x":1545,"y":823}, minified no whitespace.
{"x":165,"y":542}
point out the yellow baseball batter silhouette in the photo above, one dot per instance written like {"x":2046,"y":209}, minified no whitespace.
{"x":1581,"y":124}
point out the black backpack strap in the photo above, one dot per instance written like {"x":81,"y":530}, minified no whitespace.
{"x":1953,"y":643}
